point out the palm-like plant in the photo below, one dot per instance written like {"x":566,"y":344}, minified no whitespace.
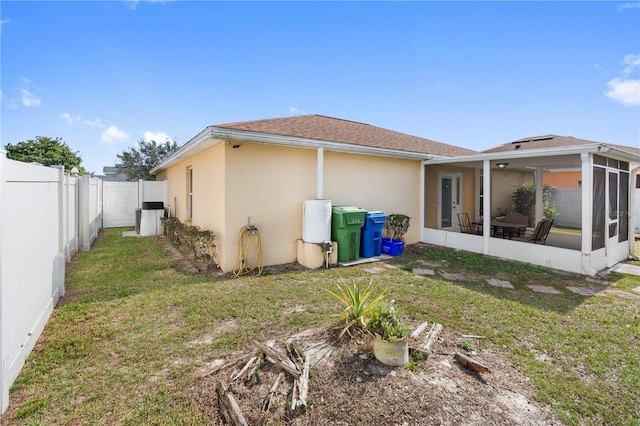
{"x":359,"y":301}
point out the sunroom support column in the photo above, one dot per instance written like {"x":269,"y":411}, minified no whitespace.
{"x":486,"y":204}
{"x":632,"y":204}
{"x":587,"y":211}
{"x":539,"y":194}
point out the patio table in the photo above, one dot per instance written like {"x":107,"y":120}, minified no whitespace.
{"x":506,"y":227}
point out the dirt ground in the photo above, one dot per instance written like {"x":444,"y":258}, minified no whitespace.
{"x":348,"y":386}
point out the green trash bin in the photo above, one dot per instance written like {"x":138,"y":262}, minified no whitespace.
{"x":346,"y":223}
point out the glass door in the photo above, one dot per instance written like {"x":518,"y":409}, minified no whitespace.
{"x":449,"y":200}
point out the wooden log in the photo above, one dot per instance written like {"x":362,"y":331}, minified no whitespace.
{"x":470,"y":363}
{"x":303,"y":388}
{"x":229,"y":407}
{"x":279,"y":359}
{"x":431,"y":339}
{"x":224,"y":365}
{"x":419,"y":330}
{"x":244,"y":369}
{"x":266,"y":402}
{"x":472,"y":336}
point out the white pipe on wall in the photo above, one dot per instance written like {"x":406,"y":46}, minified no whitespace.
{"x":320,"y":174}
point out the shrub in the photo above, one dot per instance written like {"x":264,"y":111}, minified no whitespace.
{"x":200,"y":241}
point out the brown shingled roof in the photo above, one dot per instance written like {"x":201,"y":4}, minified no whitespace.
{"x":330,"y":129}
{"x":554,"y":141}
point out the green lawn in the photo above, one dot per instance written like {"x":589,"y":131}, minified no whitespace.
{"x":122,"y":348}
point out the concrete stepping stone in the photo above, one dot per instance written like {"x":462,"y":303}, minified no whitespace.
{"x":621,"y":293}
{"x":453,"y":277}
{"x":637,"y":289}
{"x":373,"y":270}
{"x":544,"y":289}
{"x":499,"y":283}
{"x":583,"y":291}
{"x":423,"y":271}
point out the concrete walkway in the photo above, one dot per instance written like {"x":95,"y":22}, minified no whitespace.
{"x":626,"y":268}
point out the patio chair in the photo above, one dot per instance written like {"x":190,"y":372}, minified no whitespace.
{"x":539,"y":234}
{"x":519,"y":218}
{"x":466,"y":226}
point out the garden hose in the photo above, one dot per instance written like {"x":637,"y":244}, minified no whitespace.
{"x":249,"y":242}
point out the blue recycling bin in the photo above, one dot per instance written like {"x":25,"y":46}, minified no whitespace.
{"x":371,"y":238}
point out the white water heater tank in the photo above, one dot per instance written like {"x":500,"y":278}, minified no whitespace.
{"x":316,"y":221}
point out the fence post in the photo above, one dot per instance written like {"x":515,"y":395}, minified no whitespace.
{"x":4,"y":387}
{"x":84,"y":231}
{"x":60,"y":260}
{"x":140,"y":192}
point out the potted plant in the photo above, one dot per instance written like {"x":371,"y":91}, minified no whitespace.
{"x":395,"y":226}
{"x":390,"y":336}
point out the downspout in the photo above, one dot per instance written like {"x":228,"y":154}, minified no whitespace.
{"x":587,"y":212}
{"x":320,"y":173}
{"x":539,"y":178}
{"x":632,"y":203}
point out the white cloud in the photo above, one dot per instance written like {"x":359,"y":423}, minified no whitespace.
{"x":28,"y":99}
{"x":628,"y":6}
{"x":626,"y":90}
{"x":158,"y":137}
{"x":93,"y":123}
{"x":113,"y":134}
{"x":68,"y":118}
{"x":631,"y":62}
{"x":296,"y":111}
{"x":133,"y":4}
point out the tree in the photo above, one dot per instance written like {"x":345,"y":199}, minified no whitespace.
{"x":46,"y":151}
{"x":524,"y":202}
{"x":137,"y":163}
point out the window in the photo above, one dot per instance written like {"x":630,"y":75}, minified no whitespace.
{"x":190,"y":191}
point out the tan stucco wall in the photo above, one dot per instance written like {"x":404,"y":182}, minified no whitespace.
{"x":503,"y":185}
{"x":268,"y":184}
{"x":208,"y":193}
{"x":375,"y":183}
{"x":469,"y":199}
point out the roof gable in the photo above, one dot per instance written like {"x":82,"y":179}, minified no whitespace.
{"x":319,"y":127}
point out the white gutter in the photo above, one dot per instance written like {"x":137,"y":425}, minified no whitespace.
{"x":282,"y":140}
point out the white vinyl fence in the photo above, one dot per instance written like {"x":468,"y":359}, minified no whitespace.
{"x":45,"y":217}
{"x":122,"y":198}
{"x":568,"y":203}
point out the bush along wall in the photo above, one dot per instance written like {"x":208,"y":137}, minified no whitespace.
{"x":200,"y":241}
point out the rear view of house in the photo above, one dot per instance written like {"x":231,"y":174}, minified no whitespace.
{"x":262,"y":171}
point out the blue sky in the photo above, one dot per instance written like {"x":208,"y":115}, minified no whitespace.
{"x":103,"y":75}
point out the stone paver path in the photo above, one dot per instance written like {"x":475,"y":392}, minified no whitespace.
{"x":544,"y":289}
{"x":453,"y":277}
{"x":583,"y":291}
{"x":621,"y":293}
{"x":499,"y":283}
